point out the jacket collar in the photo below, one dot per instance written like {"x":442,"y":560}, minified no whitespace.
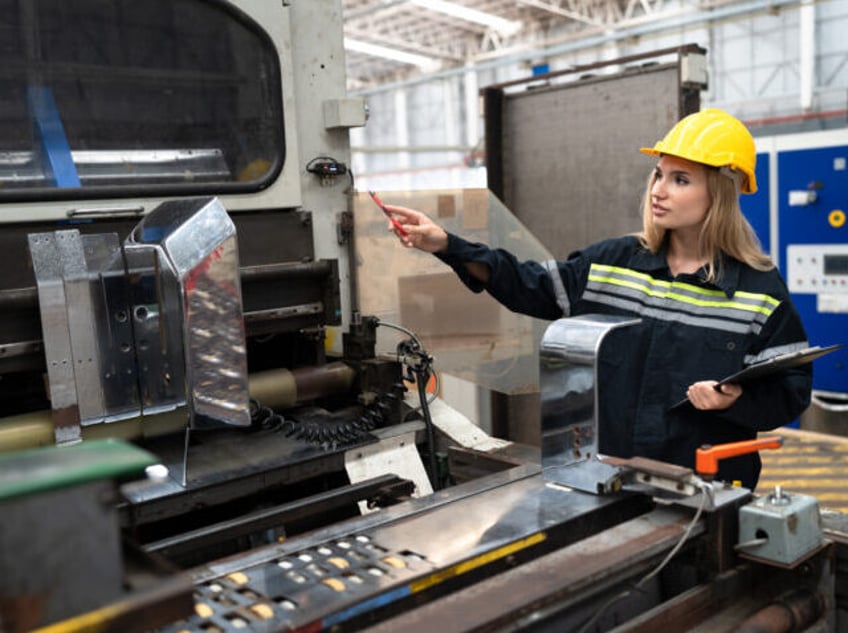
{"x":646,"y":261}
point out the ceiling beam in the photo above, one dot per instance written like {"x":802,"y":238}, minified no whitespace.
{"x":489,"y":20}
{"x":402,"y":45}
{"x":560,"y":11}
{"x":364,"y":12}
{"x":385,"y":52}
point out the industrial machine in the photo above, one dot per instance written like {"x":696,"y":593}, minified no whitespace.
{"x":178,"y":239}
{"x":799,"y":215}
{"x":204,"y":430}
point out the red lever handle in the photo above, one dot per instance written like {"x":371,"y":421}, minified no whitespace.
{"x":707,"y":457}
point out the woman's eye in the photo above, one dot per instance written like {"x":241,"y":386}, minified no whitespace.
{"x":681,"y":181}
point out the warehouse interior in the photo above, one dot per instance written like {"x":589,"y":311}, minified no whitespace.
{"x":236,"y":396}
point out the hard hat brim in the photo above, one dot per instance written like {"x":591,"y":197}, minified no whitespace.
{"x":749,"y":186}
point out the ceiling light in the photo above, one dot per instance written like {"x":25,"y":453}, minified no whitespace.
{"x":499,"y":24}
{"x":393,"y":54}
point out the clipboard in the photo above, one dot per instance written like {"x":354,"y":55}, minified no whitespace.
{"x":772,"y":366}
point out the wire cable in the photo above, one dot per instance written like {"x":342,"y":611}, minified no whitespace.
{"x":329,"y":167}
{"x":422,"y":377}
{"x":706,"y":493}
{"x":400,"y":328}
{"x":435,"y":374}
{"x":419,"y":365}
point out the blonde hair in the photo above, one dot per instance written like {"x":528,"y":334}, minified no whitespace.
{"x":725,"y":229}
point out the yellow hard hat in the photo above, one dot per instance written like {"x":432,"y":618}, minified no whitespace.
{"x":715,"y":138}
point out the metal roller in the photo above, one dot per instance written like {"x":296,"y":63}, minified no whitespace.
{"x":284,"y":388}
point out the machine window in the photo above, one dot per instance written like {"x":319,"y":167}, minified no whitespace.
{"x":122,"y":98}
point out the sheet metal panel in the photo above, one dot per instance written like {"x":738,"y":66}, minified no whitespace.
{"x":572,"y":171}
{"x":362,"y":572}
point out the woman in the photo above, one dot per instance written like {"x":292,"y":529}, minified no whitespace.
{"x":710,"y":302}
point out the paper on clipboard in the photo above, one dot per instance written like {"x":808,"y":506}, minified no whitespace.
{"x":774,"y":365}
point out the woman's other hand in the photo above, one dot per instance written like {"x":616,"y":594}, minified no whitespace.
{"x":704,"y":396}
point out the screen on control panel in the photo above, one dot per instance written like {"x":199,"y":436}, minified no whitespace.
{"x":836,"y":264}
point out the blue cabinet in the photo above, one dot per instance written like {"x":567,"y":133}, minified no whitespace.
{"x":801,"y":209}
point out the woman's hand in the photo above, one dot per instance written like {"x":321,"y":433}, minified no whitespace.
{"x":422,"y":232}
{"x":704,"y":396}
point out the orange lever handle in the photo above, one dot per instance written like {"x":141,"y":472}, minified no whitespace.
{"x":707,"y":457}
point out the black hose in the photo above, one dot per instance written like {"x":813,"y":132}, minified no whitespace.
{"x":422,"y":376}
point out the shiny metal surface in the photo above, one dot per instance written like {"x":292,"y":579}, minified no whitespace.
{"x":562,"y":586}
{"x":149,"y":329}
{"x":229,"y":463}
{"x":106,"y":376}
{"x":116,"y":372}
{"x":194,"y":256}
{"x":119,"y":166}
{"x":49,"y":268}
{"x":154,"y":310}
{"x":569,"y":409}
{"x":381,"y":563}
{"x":88,"y":339}
{"x":494,"y":518}
{"x":81,"y":329}
{"x":373,"y":521}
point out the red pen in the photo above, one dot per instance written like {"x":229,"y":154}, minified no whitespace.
{"x":392,"y":218}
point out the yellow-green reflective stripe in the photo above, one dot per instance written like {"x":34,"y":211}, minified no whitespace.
{"x":690,"y":287}
{"x":646,"y":278}
{"x":707,"y":303}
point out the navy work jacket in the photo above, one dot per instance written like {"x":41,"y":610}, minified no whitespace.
{"x":690,"y":330}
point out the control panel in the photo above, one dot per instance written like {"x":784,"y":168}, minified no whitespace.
{"x":817,"y":268}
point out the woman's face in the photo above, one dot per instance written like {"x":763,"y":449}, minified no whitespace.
{"x":680,"y":196}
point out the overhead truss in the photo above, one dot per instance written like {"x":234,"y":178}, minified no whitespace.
{"x":429,"y":35}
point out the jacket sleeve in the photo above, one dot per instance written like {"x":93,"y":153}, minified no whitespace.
{"x":778,"y":399}
{"x":523,"y":287}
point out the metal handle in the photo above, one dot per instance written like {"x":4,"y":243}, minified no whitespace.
{"x":708,"y":457}
{"x":105,"y":211}
{"x":830,"y":402}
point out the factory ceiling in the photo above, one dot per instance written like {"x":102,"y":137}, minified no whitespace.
{"x":393,"y":40}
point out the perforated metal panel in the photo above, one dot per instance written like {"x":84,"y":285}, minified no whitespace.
{"x":564,"y":155}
